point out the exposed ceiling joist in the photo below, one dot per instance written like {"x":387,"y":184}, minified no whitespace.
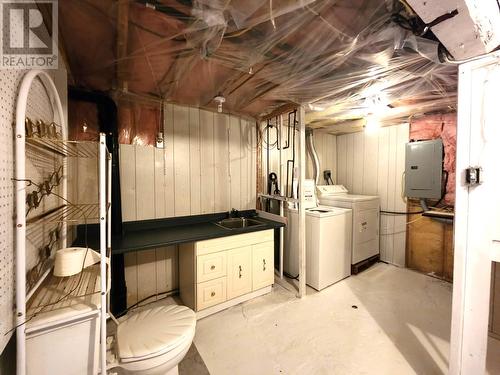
{"x":317,"y":115}
{"x":122,"y":44}
{"x":280,"y":110}
{"x":334,"y":55}
{"x":349,"y":126}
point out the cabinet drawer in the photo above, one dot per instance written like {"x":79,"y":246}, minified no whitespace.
{"x":210,"y":293}
{"x":210,"y":266}
{"x":231,"y":242}
{"x":263,"y":265}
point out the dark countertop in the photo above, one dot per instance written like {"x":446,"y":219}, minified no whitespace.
{"x":149,"y":234}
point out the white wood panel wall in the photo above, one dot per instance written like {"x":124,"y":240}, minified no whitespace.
{"x":150,"y":272}
{"x":277,"y":164}
{"x":373,"y":164}
{"x":326,"y":148}
{"x":208,"y":165}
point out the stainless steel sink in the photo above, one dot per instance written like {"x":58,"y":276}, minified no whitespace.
{"x":238,"y":222}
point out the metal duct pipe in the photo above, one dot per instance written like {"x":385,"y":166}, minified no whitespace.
{"x":423,"y":204}
{"x":314,"y":155}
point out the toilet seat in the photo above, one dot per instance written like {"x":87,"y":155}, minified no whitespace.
{"x":154,"y":333}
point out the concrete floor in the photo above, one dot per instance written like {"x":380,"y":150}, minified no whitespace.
{"x":386,"y":320}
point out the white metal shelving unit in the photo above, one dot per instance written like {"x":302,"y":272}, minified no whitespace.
{"x":66,"y":214}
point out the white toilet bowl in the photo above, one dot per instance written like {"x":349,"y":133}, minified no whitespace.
{"x":154,"y":341}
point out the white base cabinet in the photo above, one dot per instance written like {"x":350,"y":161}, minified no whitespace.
{"x":63,"y":338}
{"x":217,"y":271}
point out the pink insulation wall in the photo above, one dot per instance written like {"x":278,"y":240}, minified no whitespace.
{"x":444,"y":127}
{"x":138,"y":123}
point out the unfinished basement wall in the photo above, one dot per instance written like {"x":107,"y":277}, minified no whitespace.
{"x":208,"y":165}
{"x":430,"y":242}
{"x":373,"y":164}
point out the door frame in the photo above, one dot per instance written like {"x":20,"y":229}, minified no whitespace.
{"x":475,"y":235}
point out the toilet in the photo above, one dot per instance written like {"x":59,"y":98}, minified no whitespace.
{"x":154,"y":341}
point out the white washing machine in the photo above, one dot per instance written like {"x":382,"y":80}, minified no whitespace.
{"x":365,"y":219}
{"x":328,"y":245}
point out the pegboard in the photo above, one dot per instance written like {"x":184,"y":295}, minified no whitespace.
{"x":9,"y":81}
{"x":39,"y":107}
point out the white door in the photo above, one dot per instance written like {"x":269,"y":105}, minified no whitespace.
{"x":239,"y":271}
{"x":477,"y":226}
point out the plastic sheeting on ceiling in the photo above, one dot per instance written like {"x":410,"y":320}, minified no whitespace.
{"x":345,"y":56}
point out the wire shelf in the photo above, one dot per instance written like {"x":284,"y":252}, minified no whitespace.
{"x":73,"y":213}
{"x":79,"y":149}
{"x":65,"y":292}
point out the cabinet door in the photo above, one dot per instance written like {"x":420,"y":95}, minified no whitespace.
{"x":263,"y":265}
{"x":239,"y":271}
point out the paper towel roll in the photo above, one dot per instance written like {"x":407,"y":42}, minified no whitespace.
{"x":73,"y":260}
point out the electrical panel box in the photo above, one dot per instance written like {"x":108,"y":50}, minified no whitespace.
{"x":424,"y":169}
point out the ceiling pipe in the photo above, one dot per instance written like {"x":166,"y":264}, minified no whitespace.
{"x":314,"y":155}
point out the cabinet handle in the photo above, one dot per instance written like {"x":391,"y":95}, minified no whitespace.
{"x":263,"y":264}
{"x":212,"y":294}
{"x":240,"y":272}
{"x":212,"y":267}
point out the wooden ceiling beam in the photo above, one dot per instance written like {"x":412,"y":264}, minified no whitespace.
{"x":342,"y":127}
{"x":122,"y":19}
{"x":280,"y":110}
{"x":321,"y":115}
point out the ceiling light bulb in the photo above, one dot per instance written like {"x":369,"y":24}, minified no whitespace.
{"x":219,"y":99}
{"x":372,"y":125}
{"x":317,"y":108}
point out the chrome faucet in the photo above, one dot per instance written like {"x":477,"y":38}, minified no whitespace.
{"x":234,"y":213}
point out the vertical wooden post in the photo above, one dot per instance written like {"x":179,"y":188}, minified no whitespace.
{"x":302,"y":211}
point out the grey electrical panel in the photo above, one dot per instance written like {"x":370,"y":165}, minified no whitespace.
{"x":424,"y":168}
